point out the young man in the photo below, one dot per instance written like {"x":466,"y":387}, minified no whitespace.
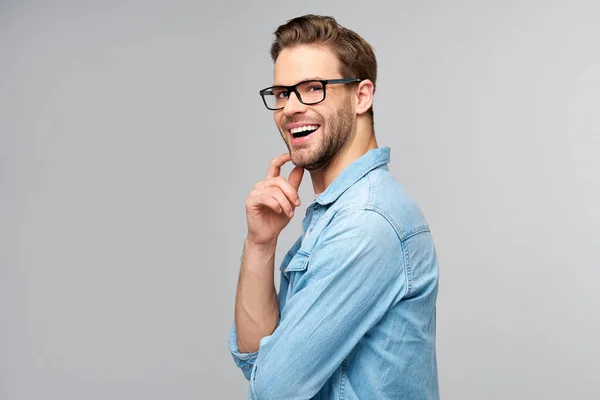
{"x":355,"y":314}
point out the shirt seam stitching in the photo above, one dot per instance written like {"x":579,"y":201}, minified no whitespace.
{"x":407,"y":267}
{"x":343,"y":380}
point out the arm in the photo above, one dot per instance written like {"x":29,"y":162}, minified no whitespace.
{"x":269,"y":208}
{"x":256,"y":306}
{"x":355,"y":273}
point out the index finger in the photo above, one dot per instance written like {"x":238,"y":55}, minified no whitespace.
{"x":276,"y":163}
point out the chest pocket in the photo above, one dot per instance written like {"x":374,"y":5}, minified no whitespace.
{"x":295,"y":270}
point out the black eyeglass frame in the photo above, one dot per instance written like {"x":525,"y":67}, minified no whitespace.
{"x":292,"y":88}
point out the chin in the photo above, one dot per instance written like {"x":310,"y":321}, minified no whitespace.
{"x":298,"y":160}
{"x":308,"y":163}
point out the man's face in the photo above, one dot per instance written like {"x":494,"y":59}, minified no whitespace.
{"x":335,"y":117}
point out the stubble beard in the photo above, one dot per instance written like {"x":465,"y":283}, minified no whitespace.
{"x":335,"y":133}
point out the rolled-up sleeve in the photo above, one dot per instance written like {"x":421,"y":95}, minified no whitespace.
{"x":245,"y":361}
{"x":355,"y":273}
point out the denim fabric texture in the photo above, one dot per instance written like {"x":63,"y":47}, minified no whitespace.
{"x":357,"y":298}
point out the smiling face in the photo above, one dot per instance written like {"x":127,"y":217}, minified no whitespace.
{"x":334,"y":118}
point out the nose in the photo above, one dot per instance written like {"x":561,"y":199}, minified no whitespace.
{"x":293,"y":105}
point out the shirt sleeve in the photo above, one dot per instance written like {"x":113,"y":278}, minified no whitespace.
{"x":245,"y":361}
{"x":355,"y":273}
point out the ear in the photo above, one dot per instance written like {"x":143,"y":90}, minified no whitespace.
{"x":364,"y":96}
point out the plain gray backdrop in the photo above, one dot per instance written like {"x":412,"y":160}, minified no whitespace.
{"x":132,"y":132}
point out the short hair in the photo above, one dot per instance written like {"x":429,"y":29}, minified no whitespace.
{"x":356,"y":56}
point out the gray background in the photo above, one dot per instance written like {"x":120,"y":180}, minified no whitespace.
{"x":131,"y":134}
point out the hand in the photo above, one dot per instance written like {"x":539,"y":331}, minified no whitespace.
{"x":271,"y":203}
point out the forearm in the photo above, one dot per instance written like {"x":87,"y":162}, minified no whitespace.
{"x":256,"y":305}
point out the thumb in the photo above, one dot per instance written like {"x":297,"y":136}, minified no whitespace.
{"x":296,"y":177}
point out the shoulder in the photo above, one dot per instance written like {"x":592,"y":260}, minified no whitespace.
{"x":379,"y":197}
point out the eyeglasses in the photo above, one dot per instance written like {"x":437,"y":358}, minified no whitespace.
{"x":308,"y":92}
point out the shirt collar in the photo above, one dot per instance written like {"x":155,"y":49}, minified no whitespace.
{"x":372,"y":159}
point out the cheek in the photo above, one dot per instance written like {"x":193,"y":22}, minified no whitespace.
{"x":277,"y":117}
{"x":278,"y":121}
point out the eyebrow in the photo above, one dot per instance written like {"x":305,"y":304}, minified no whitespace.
{"x":313,"y":78}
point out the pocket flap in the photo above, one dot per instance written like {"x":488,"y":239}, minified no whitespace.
{"x":298,"y":263}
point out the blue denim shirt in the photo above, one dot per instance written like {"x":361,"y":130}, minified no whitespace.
{"x":357,"y":298}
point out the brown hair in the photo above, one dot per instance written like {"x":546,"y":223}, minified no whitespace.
{"x":356,"y":55}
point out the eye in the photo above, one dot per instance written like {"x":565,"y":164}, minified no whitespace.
{"x":280,"y":92}
{"x":314,"y":88}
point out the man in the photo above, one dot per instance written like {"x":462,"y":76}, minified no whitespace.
{"x":355,"y":314}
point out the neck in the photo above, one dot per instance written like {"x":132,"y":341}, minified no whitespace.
{"x":358,"y":144}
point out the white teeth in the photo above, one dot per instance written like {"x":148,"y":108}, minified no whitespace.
{"x":304,"y":128}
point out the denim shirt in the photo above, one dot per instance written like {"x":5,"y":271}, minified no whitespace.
{"x":357,"y":298}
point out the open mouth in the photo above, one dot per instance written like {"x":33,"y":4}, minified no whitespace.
{"x":303,"y":131}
